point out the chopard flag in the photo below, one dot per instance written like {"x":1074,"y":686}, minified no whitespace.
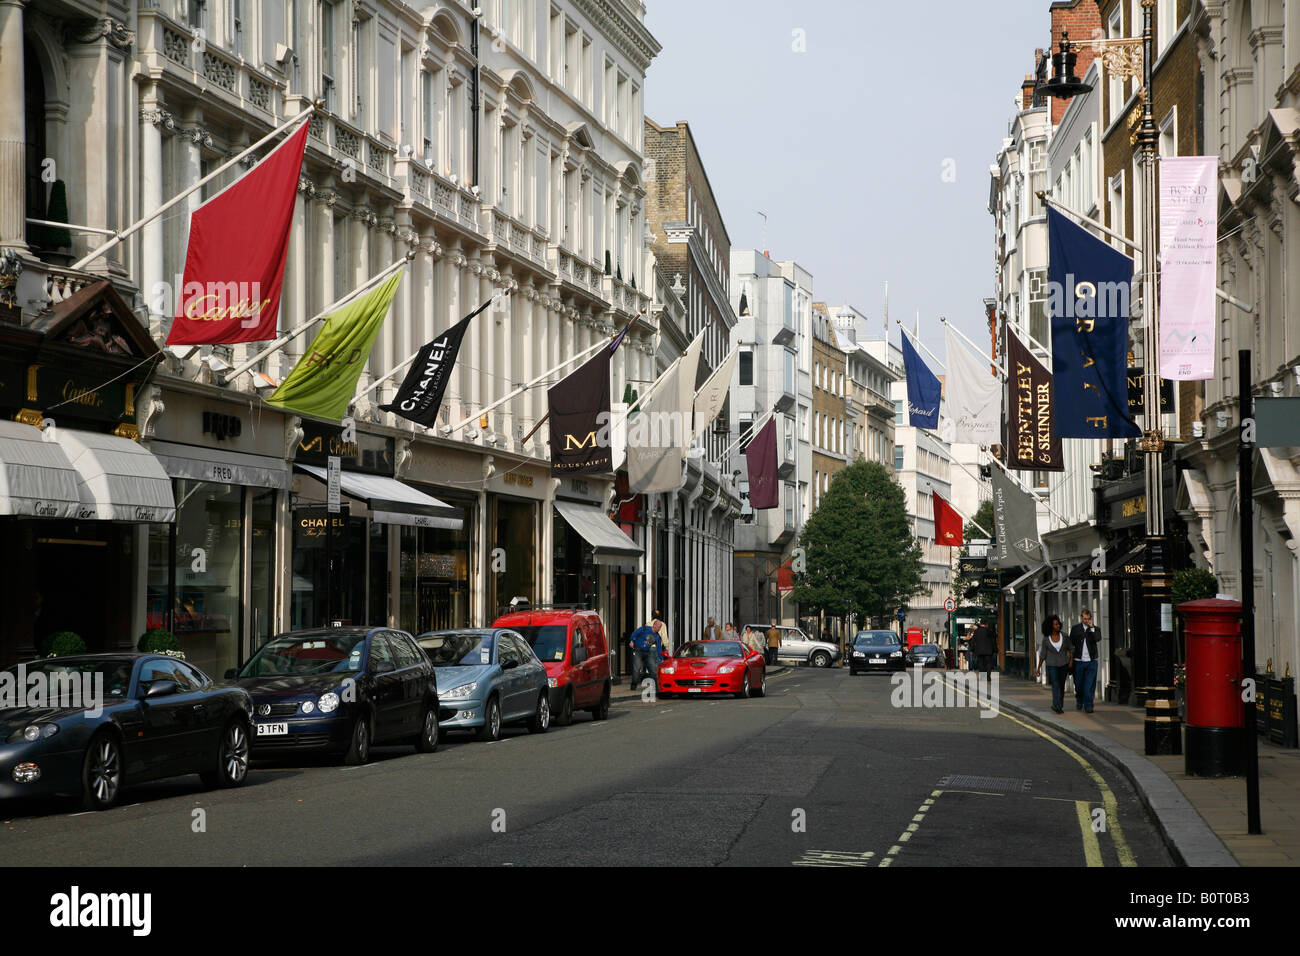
{"x":234,"y":265}
{"x":923,"y":389}
{"x":325,"y":378}
{"x":578,"y":406}
{"x":420,"y":396}
{"x":947,"y":523}
{"x":760,"y":459}
{"x":1089,"y":286}
{"x":1189,"y":235}
{"x":973,"y":394}
{"x":1033,"y":444}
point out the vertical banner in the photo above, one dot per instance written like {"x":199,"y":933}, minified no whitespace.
{"x":1033,"y":444}
{"x":420,"y":396}
{"x":578,"y":406}
{"x":972,"y":395}
{"x":1188,"y":240}
{"x":1015,"y":523}
{"x":760,"y":459}
{"x":947,"y":523}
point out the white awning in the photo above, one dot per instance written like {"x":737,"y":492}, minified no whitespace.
{"x":392,"y":502}
{"x":118,"y":479}
{"x":36,"y":478}
{"x":1011,"y":588}
{"x":222,"y":467}
{"x":612,"y":546}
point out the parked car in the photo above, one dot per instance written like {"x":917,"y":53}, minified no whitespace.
{"x":797,"y":647}
{"x":713,"y":667}
{"x":571,"y":645}
{"x":108,"y":721}
{"x":488,"y":677}
{"x":926,"y":655}
{"x":876,"y":650}
{"x":341,"y":690}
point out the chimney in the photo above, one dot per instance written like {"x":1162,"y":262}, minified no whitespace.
{"x":1027,"y":92}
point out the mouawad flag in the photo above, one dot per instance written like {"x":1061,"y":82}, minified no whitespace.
{"x":324,"y":380}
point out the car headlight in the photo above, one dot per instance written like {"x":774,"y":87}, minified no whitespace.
{"x":552,"y":682}
{"x":328,"y":703}
{"x":308,"y":707}
{"x":858,"y":654}
{"x":896,"y":654}
{"x":726,"y":668}
{"x":456,"y":693}
{"x":667,"y":669}
{"x":35,"y":732}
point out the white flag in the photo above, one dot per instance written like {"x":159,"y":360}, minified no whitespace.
{"x":972,"y":395}
{"x":713,"y":394}
{"x":658,"y":435}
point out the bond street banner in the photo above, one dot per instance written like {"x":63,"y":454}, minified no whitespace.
{"x":1189,"y":236}
{"x":234,"y":265}
{"x":1033,"y":444}
{"x":1015,"y":524}
{"x":421,"y":393}
{"x":923,"y":389}
{"x":1090,"y":284}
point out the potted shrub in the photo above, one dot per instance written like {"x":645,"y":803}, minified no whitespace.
{"x":159,"y":641}
{"x":63,"y":643}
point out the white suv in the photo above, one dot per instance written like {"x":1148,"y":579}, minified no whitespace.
{"x":798,"y":647}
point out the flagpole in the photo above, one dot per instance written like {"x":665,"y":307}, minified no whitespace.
{"x":448,"y":429}
{"x":141,"y":223}
{"x":922,"y":344}
{"x":288,"y":337}
{"x":753,"y":427}
{"x":973,"y":347}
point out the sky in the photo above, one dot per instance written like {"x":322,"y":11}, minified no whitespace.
{"x":864,"y":130}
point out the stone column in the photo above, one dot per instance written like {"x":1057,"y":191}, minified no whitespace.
{"x":13,"y":128}
{"x":489,"y":363}
{"x":456,"y":263}
{"x":152,"y":121}
{"x":295,"y":303}
{"x":361,"y":221}
{"x":531,"y":333}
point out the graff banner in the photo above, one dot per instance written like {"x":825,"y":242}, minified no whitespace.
{"x":1033,"y":443}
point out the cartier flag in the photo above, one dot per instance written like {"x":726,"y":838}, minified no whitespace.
{"x":947,"y":523}
{"x":234,"y":265}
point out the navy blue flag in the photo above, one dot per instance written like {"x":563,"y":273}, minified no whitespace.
{"x":923,"y":389}
{"x":1090,"y":285}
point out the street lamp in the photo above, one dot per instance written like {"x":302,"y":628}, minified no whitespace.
{"x":1163,"y":733}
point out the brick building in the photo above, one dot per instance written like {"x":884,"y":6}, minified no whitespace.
{"x":829,"y":404}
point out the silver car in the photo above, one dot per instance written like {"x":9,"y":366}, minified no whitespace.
{"x":798,"y":648}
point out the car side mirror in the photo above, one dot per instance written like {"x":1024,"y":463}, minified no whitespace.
{"x":160,"y":688}
{"x":509,"y":664}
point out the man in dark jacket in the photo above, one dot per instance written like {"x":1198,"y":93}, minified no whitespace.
{"x":646,"y":643}
{"x":1083,"y":639}
{"x":984,"y":645}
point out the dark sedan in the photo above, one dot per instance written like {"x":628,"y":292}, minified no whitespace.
{"x":341,"y":690}
{"x":926,"y":655}
{"x":876,"y":650}
{"x":93,"y":724}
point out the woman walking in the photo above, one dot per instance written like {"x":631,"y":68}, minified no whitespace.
{"x":1055,"y":652}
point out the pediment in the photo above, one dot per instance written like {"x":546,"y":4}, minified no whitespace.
{"x":95,"y":318}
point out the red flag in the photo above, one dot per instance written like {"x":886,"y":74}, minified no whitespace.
{"x":764,"y":488}
{"x":234,"y":266}
{"x":947,"y":523}
{"x":785,"y":577}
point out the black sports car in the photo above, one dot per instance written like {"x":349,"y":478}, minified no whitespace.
{"x":93,"y":724}
{"x":926,"y":655}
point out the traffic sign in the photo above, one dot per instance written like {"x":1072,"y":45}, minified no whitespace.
{"x":950,"y":605}
{"x":902,"y":614}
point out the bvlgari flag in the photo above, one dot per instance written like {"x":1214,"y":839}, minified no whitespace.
{"x":760,"y":459}
{"x":420,"y":396}
{"x":1090,"y":283}
{"x":234,"y":265}
{"x":1189,"y":237}
{"x":1015,"y":525}
{"x":713,"y":394}
{"x":658,"y":439}
{"x":1032,"y":444}
{"x":324,"y":380}
{"x":973,"y":395}
{"x":923,"y":389}
{"x":947,"y":523}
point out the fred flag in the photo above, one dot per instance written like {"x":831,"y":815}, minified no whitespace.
{"x":947,"y":523}
{"x":234,"y":266}
{"x":325,"y":378}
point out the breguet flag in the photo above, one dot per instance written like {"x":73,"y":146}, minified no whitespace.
{"x":713,"y":394}
{"x":234,"y":265}
{"x":324,"y":380}
{"x":974,"y":395}
{"x":947,"y":523}
{"x":420,"y":396}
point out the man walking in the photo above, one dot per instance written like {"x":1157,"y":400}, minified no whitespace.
{"x":1083,"y":639}
{"x":646,"y":643}
{"x":773,"y":642}
{"x":984,"y":645}
{"x":712,"y":632}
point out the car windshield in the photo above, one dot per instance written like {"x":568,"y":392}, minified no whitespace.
{"x":548,"y":641}
{"x":296,"y":655}
{"x":711,"y":649}
{"x":74,"y":683}
{"x":926,"y":649}
{"x":458,"y":648}
{"x":875,"y":638}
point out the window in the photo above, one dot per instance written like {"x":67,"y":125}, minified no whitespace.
{"x":746,"y":360}
{"x":1169,"y":133}
{"x":237,"y":26}
{"x":789,"y":373}
{"x":198,"y":14}
{"x":1115,"y":87}
{"x":898,"y":458}
{"x":1166,"y":24}
{"x":430,"y":116}
{"x":328,"y":54}
{"x":898,"y":411}
{"x":1036,"y":288}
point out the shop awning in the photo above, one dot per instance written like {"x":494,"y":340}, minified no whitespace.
{"x":223,"y":467}
{"x":612,"y":546}
{"x":1113,"y":558}
{"x":1028,"y":575}
{"x":118,"y":479}
{"x":36,"y":478}
{"x":392,"y":502}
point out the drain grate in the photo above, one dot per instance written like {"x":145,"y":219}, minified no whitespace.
{"x":994,"y":784}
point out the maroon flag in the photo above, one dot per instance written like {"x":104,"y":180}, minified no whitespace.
{"x":947,"y":523}
{"x":760,"y":456}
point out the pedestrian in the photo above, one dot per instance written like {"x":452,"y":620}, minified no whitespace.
{"x":729,"y":632}
{"x":773,"y":642}
{"x":712,"y":632}
{"x":984,"y":645}
{"x":646,"y":643}
{"x":1055,"y":652}
{"x":750,"y":637}
{"x":1083,"y":643}
{"x":658,"y":615}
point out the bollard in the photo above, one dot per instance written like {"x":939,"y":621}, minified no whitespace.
{"x":1215,"y":716}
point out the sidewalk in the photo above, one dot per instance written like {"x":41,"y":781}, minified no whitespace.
{"x":1203,"y":821}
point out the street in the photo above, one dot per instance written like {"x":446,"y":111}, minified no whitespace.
{"x":822,"y":771}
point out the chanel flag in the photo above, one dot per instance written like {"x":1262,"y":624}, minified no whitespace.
{"x":421,"y":393}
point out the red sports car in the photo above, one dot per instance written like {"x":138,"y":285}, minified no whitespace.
{"x":713,"y":667}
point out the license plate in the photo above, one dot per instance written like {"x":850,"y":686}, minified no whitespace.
{"x":877,"y":660}
{"x":271,"y":730}
{"x":695,"y":690}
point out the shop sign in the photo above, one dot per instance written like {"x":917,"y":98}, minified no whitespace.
{"x":1137,"y":393}
{"x":1133,"y":507}
{"x":369,"y":454}
{"x":80,"y":395}
{"x":222,"y":426}
{"x":312,"y":526}
{"x":333,"y":485}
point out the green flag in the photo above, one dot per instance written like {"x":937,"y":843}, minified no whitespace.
{"x":324,"y":380}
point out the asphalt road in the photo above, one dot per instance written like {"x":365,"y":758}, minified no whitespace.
{"x":824,"y":771}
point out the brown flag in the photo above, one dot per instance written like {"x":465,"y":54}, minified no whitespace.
{"x":1032,"y":442}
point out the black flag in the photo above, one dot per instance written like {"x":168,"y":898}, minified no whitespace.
{"x":420,"y":396}
{"x":578,"y":407}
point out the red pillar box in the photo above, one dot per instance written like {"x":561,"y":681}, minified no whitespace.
{"x":1216,"y":745}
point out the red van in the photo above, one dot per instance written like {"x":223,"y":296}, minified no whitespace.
{"x":571,"y":644}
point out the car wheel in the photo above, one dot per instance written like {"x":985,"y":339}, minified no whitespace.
{"x":430,"y":732}
{"x":744,"y":687}
{"x":601,"y":710}
{"x":821,"y":659}
{"x":359,"y":747}
{"x":761,"y":689}
{"x":491,"y":729}
{"x":232,"y":758}
{"x":541,"y":721}
{"x":101,"y":773}
{"x":565,"y":716}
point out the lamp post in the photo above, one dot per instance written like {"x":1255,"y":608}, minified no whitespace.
{"x":1163,"y":733}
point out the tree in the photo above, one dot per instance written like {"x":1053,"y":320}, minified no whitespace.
{"x":964,"y":584}
{"x":859,"y":555}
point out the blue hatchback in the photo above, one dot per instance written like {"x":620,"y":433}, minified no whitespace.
{"x":487,"y":677}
